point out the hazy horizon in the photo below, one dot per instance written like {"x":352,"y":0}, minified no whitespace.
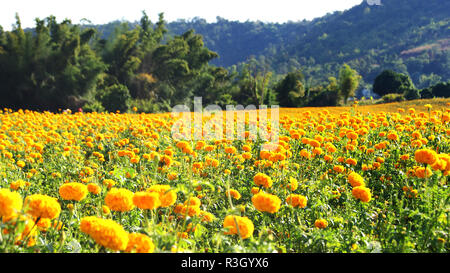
{"x":281,"y":11}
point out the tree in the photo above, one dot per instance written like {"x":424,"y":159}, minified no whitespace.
{"x":441,"y":90}
{"x":48,"y":69}
{"x":348,"y":82}
{"x":291,"y":89}
{"x":115,"y":98}
{"x":390,"y":81}
{"x":253,"y":84}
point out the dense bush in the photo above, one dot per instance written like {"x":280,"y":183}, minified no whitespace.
{"x":115,"y":97}
{"x":412,"y":94}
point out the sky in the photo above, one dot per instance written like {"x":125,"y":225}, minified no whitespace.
{"x":104,"y":11}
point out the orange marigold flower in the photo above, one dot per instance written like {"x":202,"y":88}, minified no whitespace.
{"x":10,"y":203}
{"x":139,"y":243}
{"x":146,"y":200}
{"x":263,"y":180}
{"x":404,"y":157}
{"x":362,"y":193}
{"x":94,"y":188}
{"x":172,"y":176}
{"x":73,"y":191}
{"x":105,"y":232}
{"x":266,"y":202}
{"x":167,"y":196}
{"x":206,"y":216}
{"x":426,"y":156}
{"x":421,"y":172}
{"x":351,"y":161}
{"x":119,"y":199}
{"x":193,"y":202}
{"x":233,"y":193}
{"x":338,"y":168}
{"x":297,"y":200}
{"x":355,"y":179}
{"x":244,"y":225}
{"x":42,"y":206}
{"x":254,"y":190}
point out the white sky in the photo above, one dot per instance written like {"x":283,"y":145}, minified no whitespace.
{"x":101,"y":11}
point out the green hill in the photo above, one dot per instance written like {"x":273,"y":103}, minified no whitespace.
{"x":408,"y":36}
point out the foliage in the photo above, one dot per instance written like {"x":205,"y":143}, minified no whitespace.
{"x":393,"y":98}
{"x":391,"y":82}
{"x":412,"y":94}
{"x":115,"y":98}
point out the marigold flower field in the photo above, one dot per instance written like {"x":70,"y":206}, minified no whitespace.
{"x":339,"y":180}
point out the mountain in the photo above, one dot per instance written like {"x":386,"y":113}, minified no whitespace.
{"x":408,"y":36}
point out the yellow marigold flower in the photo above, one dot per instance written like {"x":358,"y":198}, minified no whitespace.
{"x":10,"y":203}
{"x":206,"y":216}
{"x":106,"y":210}
{"x":293,"y":184}
{"x":119,"y":199}
{"x":362,"y":193}
{"x":17,"y":184}
{"x":233,"y":193}
{"x":266,"y":202}
{"x":263,"y":180}
{"x":105,"y":232}
{"x":305,"y":153}
{"x":44,"y":224}
{"x":193,"y":202}
{"x":42,"y":206}
{"x":355,"y":179}
{"x":321,"y":223}
{"x":426,"y":156}
{"x":247,"y":155}
{"x":244,"y":225}
{"x":109,"y":183}
{"x":167,"y":196}
{"x":73,"y":191}
{"x":139,"y":243}
{"x":317,"y":151}
{"x":20,"y":164}
{"x":338,"y":168}
{"x":146,"y":200}
{"x":297,"y":200}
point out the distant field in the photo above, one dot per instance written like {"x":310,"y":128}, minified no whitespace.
{"x":418,"y":105}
